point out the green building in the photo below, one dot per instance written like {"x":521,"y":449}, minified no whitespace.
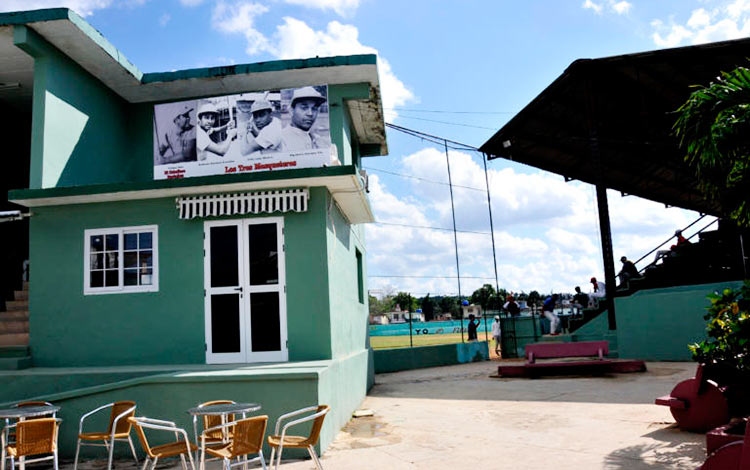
{"x":173,"y":275}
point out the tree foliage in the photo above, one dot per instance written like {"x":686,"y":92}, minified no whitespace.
{"x":713,"y":129}
{"x":405,"y":301}
{"x":485,"y":296}
{"x":428,"y":307}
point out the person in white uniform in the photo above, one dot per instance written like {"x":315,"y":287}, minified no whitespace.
{"x":263,"y":130}
{"x":206,"y":147}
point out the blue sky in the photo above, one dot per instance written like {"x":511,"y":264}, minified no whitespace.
{"x":477,"y":63}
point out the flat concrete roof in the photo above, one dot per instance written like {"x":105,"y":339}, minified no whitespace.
{"x":71,"y":34}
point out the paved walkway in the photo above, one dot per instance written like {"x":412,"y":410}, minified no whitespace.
{"x":458,"y":417}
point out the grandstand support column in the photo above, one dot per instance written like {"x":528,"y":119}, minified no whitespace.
{"x":609,"y":260}
{"x":591,"y":113}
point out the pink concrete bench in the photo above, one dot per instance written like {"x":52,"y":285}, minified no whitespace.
{"x":597,"y":350}
{"x":536,"y":351}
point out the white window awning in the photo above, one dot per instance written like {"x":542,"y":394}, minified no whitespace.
{"x":286,"y":200}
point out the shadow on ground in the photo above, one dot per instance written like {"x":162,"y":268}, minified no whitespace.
{"x":453,"y":382}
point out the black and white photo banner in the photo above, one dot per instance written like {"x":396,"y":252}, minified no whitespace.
{"x":217,"y":205}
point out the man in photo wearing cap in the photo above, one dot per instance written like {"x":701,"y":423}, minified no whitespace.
{"x":179,"y":142}
{"x":305,"y":105}
{"x":207,"y":116}
{"x":263,"y":130}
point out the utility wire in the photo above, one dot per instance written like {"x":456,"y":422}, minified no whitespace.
{"x":427,"y":136}
{"x":403,"y":175}
{"x":449,"y":112}
{"x":447,"y":122}
{"x":428,"y":277}
{"x":431,"y":228}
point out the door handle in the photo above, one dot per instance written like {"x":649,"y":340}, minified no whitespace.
{"x":238,"y":289}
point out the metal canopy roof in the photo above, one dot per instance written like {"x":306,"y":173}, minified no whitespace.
{"x":625,"y":105}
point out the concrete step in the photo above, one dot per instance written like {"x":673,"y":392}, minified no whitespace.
{"x":14,"y":326}
{"x":15,"y":315}
{"x":15,"y":305}
{"x":21,"y":295}
{"x":14,"y":339}
{"x":14,"y":351}
{"x":15,"y":363}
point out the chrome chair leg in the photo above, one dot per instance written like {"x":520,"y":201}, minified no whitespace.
{"x":132,"y":449}
{"x":314,"y":456}
{"x":78,"y":450}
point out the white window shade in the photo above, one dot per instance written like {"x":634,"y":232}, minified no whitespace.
{"x":288,"y":200}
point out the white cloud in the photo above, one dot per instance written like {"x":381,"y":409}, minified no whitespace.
{"x":546,"y":230}
{"x":342,"y":7}
{"x":239,"y":18}
{"x":295,"y":39}
{"x":190,"y":3}
{"x":164,"y":19}
{"x":596,"y":7}
{"x":82,"y":7}
{"x":620,"y":8}
{"x":730,"y":20}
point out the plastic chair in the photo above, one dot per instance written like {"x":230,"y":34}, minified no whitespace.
{"x":247,"y":438}
{"x":299,"y":442}
{"x":179,"y":447}
{"x":33,"y":437}
{"x":117,"y":430}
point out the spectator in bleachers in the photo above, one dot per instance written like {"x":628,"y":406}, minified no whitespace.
{"x":600,"y":289}
{"x":548,"y":309}
{"x":580,"y":300}
{"x":628,"y":271}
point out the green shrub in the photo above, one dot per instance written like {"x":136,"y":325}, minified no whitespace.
{"x":727,"y":347}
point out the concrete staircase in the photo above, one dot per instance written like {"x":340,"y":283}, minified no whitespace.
{"x":14,"y":332}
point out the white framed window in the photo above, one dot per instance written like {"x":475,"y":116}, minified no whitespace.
{"x":121,"y":260}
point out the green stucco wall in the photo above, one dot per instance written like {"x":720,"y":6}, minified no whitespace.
{"x":339,"y":383}
{"x":658,"y":324}
{"x":348,"y":314}
{"x":164,"y":327}
{"x":80,"y":128}
{"x":393,"y":360}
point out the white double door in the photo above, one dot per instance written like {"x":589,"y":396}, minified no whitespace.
{"x":245,"y":283}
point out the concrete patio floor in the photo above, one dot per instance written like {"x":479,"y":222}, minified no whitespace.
{"x":457,"y":417}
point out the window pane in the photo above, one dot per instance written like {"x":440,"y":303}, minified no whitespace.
{"x":97,"y":279}
{"x":225,"y":323}
{"x":97,"y":261}
{"x":224,"y":251}
{"x":264,"y":321}
{"x":263,"y":254}
{"x":131,"y":277}
{"x":111,"y":278}
{"x":97,"y":243}
{"x":131,"y":259}
{"x":146,"y":277}
{"x":111,"y":242}
{"x":131,"y":241}
{"x":145,"y":240}
{"x":146,"y":258}
{"x":112,"y":260}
